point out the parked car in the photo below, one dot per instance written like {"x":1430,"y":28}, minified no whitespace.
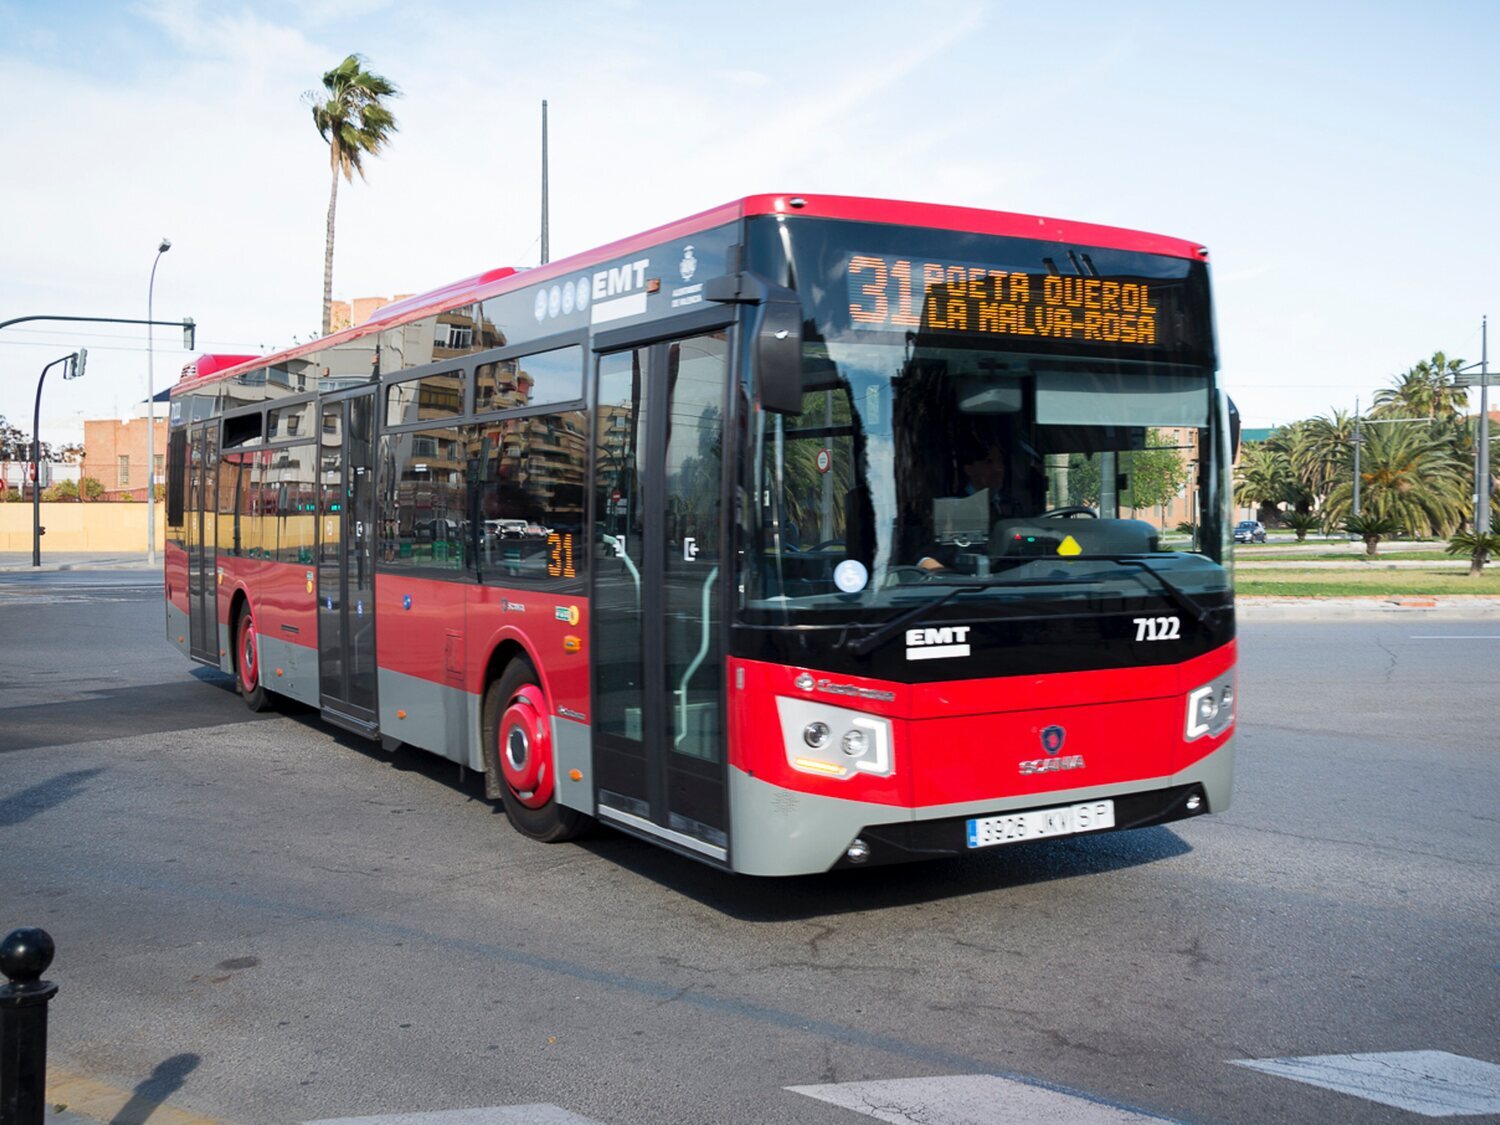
{"x":1249,"y":531}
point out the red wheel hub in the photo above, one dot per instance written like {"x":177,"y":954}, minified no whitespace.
{"x":525,"y":748}
{"x":249,"y":668}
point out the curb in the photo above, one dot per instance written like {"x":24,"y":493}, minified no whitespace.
{"x":1269,"y":607}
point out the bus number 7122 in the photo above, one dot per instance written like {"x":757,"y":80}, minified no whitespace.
{"x":1158,"y":628}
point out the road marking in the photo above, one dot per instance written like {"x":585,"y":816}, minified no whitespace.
{"x":1455,"y":637}
{"x":1432,"y":1083}
{"x":544,"y":1114}
{"x":968,"y":1099}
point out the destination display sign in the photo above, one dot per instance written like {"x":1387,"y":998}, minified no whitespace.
{"x":894,"y":294}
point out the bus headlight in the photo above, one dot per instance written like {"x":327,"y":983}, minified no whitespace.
{"x":834,"y":741}
{"x":1210,"y":708}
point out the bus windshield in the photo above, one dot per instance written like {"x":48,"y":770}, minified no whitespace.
{"x":911,"y":470}
{"x":1012,"y":415}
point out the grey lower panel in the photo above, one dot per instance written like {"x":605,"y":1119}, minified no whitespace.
{"x":438,"y":717}
{"x":780,"y":831}
{"x":783,"y":832}
{"x":226,"y":661}
{"x":288,"y":669}
{"x":1215,"y":773}
{"x":641,"y":824}
{"x":572,"y":749}
{"x":177,"y":629}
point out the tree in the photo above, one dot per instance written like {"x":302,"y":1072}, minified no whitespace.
{"x":62,"y":490}
{"x":1372,"y":529}
{"x":352,"y":117}
{"x":1157,"y":473}
{"x":1428,"y":390}
{"x":91,"y":487}
{"x":1263,"y":478}
{"x":1411,"y":473}
{"x":1478,"y":547}
{"x":15,"y":444}
{"x":1302,"y":523}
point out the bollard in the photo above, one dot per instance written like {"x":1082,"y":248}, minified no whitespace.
{"x":24,"y":957}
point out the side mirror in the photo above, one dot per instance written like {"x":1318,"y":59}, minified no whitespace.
{"x":775,"y":327}
{"x":1234,"y":429}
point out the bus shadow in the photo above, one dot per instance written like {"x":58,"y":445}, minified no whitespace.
{"x":754,"y":899}
{"x":407,"y":759}
{"x":797,"y":898}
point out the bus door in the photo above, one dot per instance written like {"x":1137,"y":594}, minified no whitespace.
{"x":202,"y":527}
{"x":658,"y":581}
{"x":346,"y":559}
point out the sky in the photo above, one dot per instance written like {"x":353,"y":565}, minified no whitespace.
{"x":1340,"y":161}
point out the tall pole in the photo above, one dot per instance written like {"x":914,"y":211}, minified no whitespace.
{"x":166,"y":244}
{"x":36,"y":465}
{"x":1482,"y":475}
{"x":546,"y":253}
{"x":1356,"y":456}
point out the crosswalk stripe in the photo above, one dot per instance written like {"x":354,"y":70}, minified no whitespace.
{"x":542,"y":1114}
{"x":969,"y":1099}
{"x":1432,"y":1083}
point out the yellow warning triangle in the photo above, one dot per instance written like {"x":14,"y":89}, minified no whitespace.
{"x":1069,"y":546}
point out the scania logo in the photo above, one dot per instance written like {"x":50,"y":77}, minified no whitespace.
{"x":1053,"y":738}
{"x":1051,"y":765}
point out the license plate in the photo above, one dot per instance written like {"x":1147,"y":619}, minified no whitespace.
{"x":1066,"y":820}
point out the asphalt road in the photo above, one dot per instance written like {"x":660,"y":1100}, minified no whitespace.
{"x":263,"y":919}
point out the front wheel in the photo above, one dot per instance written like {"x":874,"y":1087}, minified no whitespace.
{"x":518,"y":743}
{"x":247,"y":664}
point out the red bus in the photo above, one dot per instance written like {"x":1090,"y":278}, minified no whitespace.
{"x":798,"y":534}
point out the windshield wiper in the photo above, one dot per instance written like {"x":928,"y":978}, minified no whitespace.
{"x":1176,"y":593}
{"x":896,"y":624}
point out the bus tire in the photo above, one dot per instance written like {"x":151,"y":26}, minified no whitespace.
{"x":518,"y":749}
{"x":247,"y":663}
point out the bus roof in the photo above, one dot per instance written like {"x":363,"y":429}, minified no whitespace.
{"x":854,"y":208}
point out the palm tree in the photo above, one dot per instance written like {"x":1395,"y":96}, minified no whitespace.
{"x":1428,"y":390}
{"x":1372,"y":527}
{"x":1306,"y":487}
{"x":352,"y":118}
{"x":1263,"y":478}
{"x":1479,"y":547}
{"x":1321,"y":459}
{"x":1410,"y":473}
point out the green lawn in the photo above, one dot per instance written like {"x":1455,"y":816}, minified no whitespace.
{"x":1345,"y":583}
{"x":1437,"y":555}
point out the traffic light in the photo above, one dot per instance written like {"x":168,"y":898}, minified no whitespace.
{"x":189,"y":333}
{"x":75,"y":368}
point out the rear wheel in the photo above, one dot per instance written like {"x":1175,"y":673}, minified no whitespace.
{"x":247,"y":664}
{"x":518,"y":743}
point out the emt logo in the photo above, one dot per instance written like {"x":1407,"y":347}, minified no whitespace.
{"x":935,"y":644}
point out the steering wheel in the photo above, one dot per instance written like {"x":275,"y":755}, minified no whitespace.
{"x":1072,"y":510}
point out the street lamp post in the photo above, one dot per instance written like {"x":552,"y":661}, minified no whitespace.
{"x":1356,"y":456}
{"x":166,"y":244}
{"x":1482,"y":444}
{"x":76,"y":363}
